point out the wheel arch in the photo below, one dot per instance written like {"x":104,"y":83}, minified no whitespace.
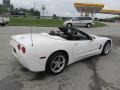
{"x":89,"y":23}
{"x":63,"y":51}
{"x":109,"y":41}
{"x":105,"y":41}
{"x":70,"y":24}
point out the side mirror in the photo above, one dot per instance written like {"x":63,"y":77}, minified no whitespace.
{"x":92,"y":38}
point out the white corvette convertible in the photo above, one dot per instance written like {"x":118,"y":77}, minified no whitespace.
{"x":53,"y":51}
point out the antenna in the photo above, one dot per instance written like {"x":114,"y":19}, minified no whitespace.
{"x":31,"y":36}
{"x":34,"y":6}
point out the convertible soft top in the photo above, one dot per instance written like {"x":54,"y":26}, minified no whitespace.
{"x":69,"y":33}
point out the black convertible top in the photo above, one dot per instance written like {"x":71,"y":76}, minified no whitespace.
{"x":68,"y":33}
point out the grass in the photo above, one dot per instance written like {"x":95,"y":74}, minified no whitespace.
{"x":21,"y":21}
{"x":99,"y":24}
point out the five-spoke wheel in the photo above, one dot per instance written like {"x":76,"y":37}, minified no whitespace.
{"x":106,"y":48}
{"x":56,"y":63}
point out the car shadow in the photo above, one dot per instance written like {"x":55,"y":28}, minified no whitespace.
{"x":44,"y":75}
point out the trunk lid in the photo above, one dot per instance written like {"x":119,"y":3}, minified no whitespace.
{"x":27,"y":39}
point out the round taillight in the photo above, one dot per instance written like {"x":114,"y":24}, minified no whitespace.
{"x":18,"y":47}
{"x":23,"y":50}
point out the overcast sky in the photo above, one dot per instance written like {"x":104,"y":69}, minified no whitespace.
{"x":64,"y":7}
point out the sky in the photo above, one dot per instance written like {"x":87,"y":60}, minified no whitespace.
{"x":64,"y":7}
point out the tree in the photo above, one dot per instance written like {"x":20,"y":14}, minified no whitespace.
{"x":32,"y":11}
{"x":36,"y":13}
{"x":54,"y":16}
{"x":3,"y":9}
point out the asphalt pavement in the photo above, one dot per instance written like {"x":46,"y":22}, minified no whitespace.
{"x":94,"y":73}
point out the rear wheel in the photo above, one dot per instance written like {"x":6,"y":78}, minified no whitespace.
{"x":69,"y":25}
{"x":2,"y":24}
{"x":89,"y":25}
{"x":106,"y":48}
{"x":56,"y":63}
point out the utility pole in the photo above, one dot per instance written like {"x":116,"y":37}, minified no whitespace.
{"x":34,"y":6}
{"x":43,"y":10}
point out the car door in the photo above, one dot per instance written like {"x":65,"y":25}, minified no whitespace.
{"x":1,"y":19}
{"x":84,"y":48}
{"x":76,"y":21}
{"x":81,"y":21}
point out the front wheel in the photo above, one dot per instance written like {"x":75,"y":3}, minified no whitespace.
{"x":106,"y":48}
{"x":56,"y":63}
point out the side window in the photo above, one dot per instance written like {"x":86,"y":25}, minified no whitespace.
{"x":88,"y":18}
{"x":76,"y":19}
{"x":82,"y":36}
{"x":79,"y":36}
{"x":82,"y":18}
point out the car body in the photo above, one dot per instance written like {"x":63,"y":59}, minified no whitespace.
{"x":34,"y":50}
{"x":4,"y":20}
{"x":80,"y":21}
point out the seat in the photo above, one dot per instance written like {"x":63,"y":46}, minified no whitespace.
{"x":52,"y":33}
{"x":63,"y":29}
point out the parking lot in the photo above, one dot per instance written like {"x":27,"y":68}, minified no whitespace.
{"x":94,"y":73}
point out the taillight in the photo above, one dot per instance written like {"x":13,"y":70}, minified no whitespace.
{"x":19,"y":47}
{"x":23,"y":50}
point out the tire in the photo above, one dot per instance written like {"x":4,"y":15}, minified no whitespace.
{"x":106,"y":48}
{"x":89,"y":25}
{"x":69,"y":25}
{"x":53,"y":65}
{"x":2,"y":24}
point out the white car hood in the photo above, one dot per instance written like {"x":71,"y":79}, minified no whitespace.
{"x":94,"y":36}
{"x":100,"y":37}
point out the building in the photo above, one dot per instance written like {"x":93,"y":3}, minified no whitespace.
{"x":6,"y":3}
{"x":89,"y":9}
{"x":116,"y":12}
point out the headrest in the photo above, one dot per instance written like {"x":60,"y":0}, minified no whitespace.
{"x":52,"y":33}
{"x":63,"y":29}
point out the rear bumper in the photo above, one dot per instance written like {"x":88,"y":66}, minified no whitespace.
{"x":29,"y":62}
{"x":3,"y":23}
